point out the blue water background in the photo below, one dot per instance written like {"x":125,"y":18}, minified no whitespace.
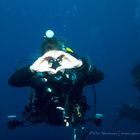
{"x":107,"y":31}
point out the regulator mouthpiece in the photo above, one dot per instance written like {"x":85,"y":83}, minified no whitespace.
{"x":49,"y":34}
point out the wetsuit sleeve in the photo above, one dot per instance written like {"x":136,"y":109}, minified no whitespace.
{"x":21,"y":78}
{"x":90,"y":74}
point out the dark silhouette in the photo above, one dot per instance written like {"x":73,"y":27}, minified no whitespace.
{"x":127,"y":111}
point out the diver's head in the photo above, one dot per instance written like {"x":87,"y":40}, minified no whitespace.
{"x":50,"y":42}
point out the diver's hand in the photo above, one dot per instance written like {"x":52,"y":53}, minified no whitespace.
{"x":67,"y":65}
{"x":69,"y":62}
{"x":42,"y":65}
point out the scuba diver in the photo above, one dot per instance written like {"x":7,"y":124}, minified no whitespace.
{"x":127,"y":111}
{"x":57,"y":79}
{"x":135,"y":72}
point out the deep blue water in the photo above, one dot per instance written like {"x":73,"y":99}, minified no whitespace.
{"x":108,"y":31}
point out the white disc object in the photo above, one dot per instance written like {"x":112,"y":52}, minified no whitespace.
{"x":49,"y":34}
